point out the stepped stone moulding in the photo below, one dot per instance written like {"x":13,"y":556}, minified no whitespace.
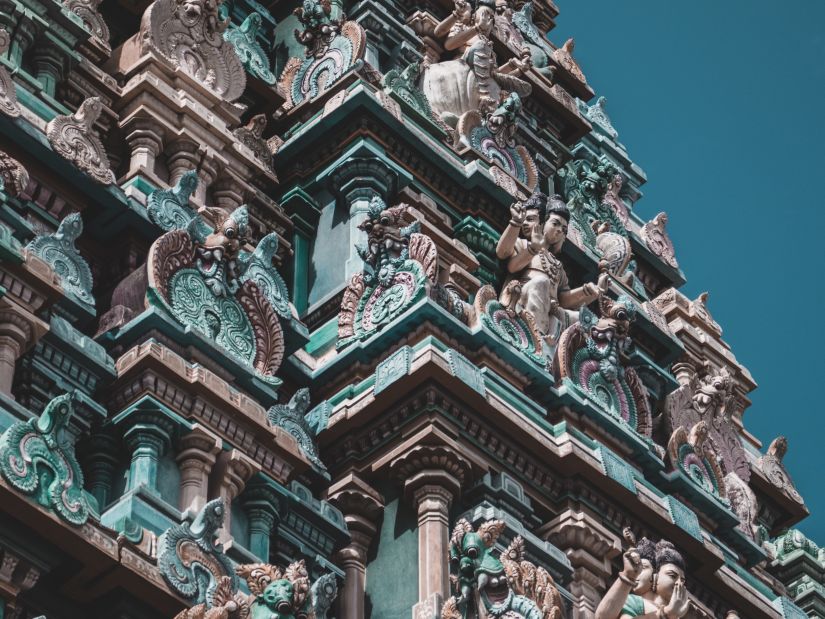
{"x":189,"y":35}
{"x":589,"y":357}
{"x":488,"y":586}
{"x":8,"y":92}
{"x":59,"y":251}
{"x":773,"y":468}
{"x":333,"y":47}
{"x":693,"y":454}
{"x":73,"y":137}
{"x":244,"y":38}
{"x":87,"y":10}
{"x":292,"y":418}
{"x":658,"y":241}
{"x":191,"y":560}
{"x":37,"y":458}
{"x":14,"y":178}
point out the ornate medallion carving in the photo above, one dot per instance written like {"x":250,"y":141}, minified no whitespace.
{"x":59,"y":251}
{"x":74,"y":138}
{"x":37,"y":458}
{"x":517,"y":328}
{"x":169,"y":208}
{"x":694,"y":455}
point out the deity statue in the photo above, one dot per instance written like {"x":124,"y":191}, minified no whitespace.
{"x":530,"y":244}
{"x":651,"y":584}
{"x":473,"y":81}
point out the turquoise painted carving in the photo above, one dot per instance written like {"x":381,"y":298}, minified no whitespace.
{"x":38,"y":459}
{"x":59,"y":251}
{"x":533,"y":40}
{"x":481,"y":238}
{"x":324,"y":592}
{"x":403,"y":85}
{"x":292,"y":418}
{"x":169,"y":208}
{"x":190,"y":559}
{"x":589,"y":358}
{"x":277,"y":594}
{"x":492,"y":133}
{"x":252,"y":55}
{"x":616,"y":469}
{"x":683,"y":517}
{"x":393,"y":368}
{"x":332,"y":49}
{"x":694,"y":455}
{"x":203,"y":278}
{"x":466,"y":371}
{"x":399,"y":263}
{"x":487,"y":586}
{"x":517,"y":328}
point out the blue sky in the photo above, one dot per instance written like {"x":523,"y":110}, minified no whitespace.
{"x":722,"y":103}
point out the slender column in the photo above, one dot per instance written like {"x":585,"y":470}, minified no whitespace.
{"x":181,"y":156}
{"x":229,"y":477}
{"x":145,"y":139}
{"x":16,"y":335}
{"x":432,"y":478}
{"x":22,"y":38}
{"x":262,"y":509}
{"x":100,"y":460}
{"x":362,"y":507}
{"x":197,"y":452}
{"x":148,"y":437}
{"x":228,"y":193}
{"x":50,"y":65}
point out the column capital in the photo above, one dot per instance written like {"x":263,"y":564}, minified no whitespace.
{"x":427,"y":466}
{"x":232,"y":471}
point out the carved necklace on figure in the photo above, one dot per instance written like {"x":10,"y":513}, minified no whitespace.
{"x":550,"y":264}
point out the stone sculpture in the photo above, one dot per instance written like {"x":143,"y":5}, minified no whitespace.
{"x":292,"y":418}
{"x":8,"y":91}
{"x":400,"y":268}
{"x":251,"y":136}
{"x":244,"y":38}
{"x":563,"y":56}
{"x":693,"y":454}
{"x":14,"y":178}
{"x":534,"y":41}
{"x":651,"y":583}
{"x":59,"y":250}
{"x":474,"y":81}
{"x":333,"y":47}
{"x":597,"y":114}
{"x":485,"y":586}
{"x":73,"y":137}
{"x":169,"y":208}
{"x":744,"y":504}
{"x":537,"y":282}
{"x":191,"y":560}
{"x":589,"y":358}
{"x":708,"y":398}
{"x":37,"y":458}
{"x":87,"y":10}
{"x":658,"y":241}
{"x":274,"y":594}
{"x":189,"y":35}
{"x":773,"y":468}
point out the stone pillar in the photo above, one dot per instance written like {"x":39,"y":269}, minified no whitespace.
{"x":591,"y":548}
{"x":432,"y":479}
{"x":197,"y":452}
{"x":362,"y":507}
{"x":16,"y":334}
{"x":99,"y":464}
{"x":22,"y":38}
{"x":17,"y":576}
{"x":181,"y":156}
{"x":145,"y":139}
{"x":148,"y":436}
{"x":228,"y":193}
{"x":263,"y":513}
{"x":232,"y":470}
{"x":50,"y":66}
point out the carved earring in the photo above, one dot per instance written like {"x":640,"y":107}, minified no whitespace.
{"x":655,"y":579}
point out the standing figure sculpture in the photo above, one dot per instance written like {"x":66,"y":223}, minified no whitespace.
{"x":651,"y":584}
{"x":473,"y":81}
{"x":536,"y":277}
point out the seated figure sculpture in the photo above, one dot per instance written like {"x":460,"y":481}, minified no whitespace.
{"x":473,"y":81}
{"x":530,"y":243}
{"x":651,"y":584}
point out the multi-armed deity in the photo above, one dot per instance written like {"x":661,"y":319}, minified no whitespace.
{"x":536,"y":281}
{"x":651,"y":583}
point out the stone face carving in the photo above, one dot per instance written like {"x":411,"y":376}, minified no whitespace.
{"x":474,"y":81}
{"x":537,"y":284}
{"x":202,"y":277}
{"x":37,"y":458}
{"x":292,"y":418}
{"x":251,"y":136}
{"x":651,"y":583}
{"x":169,"y":208}
{"x":774,"y":470}
{"x":252,"y":55}
{"x":8,"y":91}
{"x":14,"y":178}
{"x":694,"y":455}
{"x":87,"y":10}
{"x":744,"y":504}
{"x":190,"y":559}
{"x":285,"y":594}
{"x":189,"y":35}
{"x":485,"y":586}
{"x":59,"y":251}
{"x":589,"y":357}
{"x":709,"y":399}
{"x":658,"y":241}
{"x":400,"y":268}
{"x":333,"y":47}
{"x":73,"y":137}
